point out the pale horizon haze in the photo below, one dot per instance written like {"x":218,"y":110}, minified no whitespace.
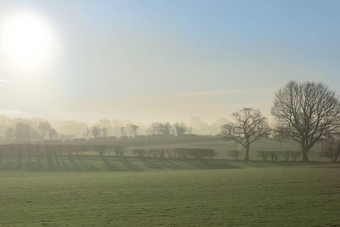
{"x":150,"y":61}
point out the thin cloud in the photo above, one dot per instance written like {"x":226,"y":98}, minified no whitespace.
{"x":207,"y":93}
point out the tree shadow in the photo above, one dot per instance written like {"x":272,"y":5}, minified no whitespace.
{"x":74,"y":163}
{"x":173,"y":164}
{"x":216,"y":164}
{"x":108,"y":164}
{"x":51,"y":166}
{"x":63,"y":163}
{"x":29,"y":163}
{"x":149,"y":163}
{"x":40,"y":165}
{"x":84,"y":162}
{"x":128,"y":164}
{"x":19,"y":161}
{"x":57,"y":161}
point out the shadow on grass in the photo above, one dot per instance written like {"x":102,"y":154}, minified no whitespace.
{"x":63,"y":163}
{"x":174,"y":164}
{"x":151,"y":163}
{"x":83,"y":160}
{"x":128,"y":164}
{"x":69,"y":162}
{"x":109,"y":165}
{"x":51,"y":165}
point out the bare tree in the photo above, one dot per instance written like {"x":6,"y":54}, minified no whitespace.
{"x":134,"y":129}
{"x":331,"y":147}
{"x":95,"y":131}
{"x":180,"y":128}
{"x":23,"y":132}
{"x":44,"y":127}
{"x":249,"y":126}
{"x":104,"y":125}
{"x":165,"y":128}
{"x":305,"y":113}
{"x":122,"y":131}
{"x":53,"y":134}
{"x":158,"y":128}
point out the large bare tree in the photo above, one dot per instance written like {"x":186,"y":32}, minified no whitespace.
{"x":249,"y":126}
{"x":305,"y":113}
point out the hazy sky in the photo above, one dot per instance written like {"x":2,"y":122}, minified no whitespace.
{"x":168,"y":60}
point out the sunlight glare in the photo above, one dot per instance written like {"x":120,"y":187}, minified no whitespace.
{"x":27,"y":40}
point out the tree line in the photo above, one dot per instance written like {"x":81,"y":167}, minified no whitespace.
{"x":306,"y":113}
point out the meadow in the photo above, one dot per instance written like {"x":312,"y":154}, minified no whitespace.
{"x":45,"y":188}
{"x":234,"y":194}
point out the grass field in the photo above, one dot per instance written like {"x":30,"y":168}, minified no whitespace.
{"x":246,"y":194}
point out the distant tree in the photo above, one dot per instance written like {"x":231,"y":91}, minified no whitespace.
{"x":23,"y":133}
{"x":234,"y":153}
{"x":87,"y":133}
{"x":180,"y":128}
{"x":95,"y":132}
{"x":165,"y":128}
{"x":118,"y":125}
{"x":195,"y":123}
{"x":249,"y":126}
{"x":134,"y":130}
{"x":122,"y":131}
{"x":104,"y":125}
{"x":72,"y":128}
{"x":155,"y":129}
{"x":10,"y":134}
{"x":331,"y":147}
{"x":158,"y":128}
{"x":190,"y":130}
{"x":44,"y":127}
{"x":305,"y":113}
{"x":53,"y":134}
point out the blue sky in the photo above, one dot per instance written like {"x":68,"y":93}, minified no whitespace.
{"x":222,"y":54}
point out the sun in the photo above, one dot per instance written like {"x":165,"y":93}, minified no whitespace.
{"x":27,"y":39}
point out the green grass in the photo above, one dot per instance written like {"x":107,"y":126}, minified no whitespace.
{"x":253,"y":194}
{"x":221,"y":146}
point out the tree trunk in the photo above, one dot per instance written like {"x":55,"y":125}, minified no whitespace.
{"x":246,"y":158}
{"x":304,"y":154}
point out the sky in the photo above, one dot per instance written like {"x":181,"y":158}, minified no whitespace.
{"x":155,"y":60}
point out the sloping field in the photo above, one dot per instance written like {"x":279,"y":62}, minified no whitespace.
{"x":112,"y":163}
{"x":246,"y":194}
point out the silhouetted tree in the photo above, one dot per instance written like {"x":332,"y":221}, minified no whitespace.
{"x":53,"y":134}
{"x":249,"y":126}
{"x":44,"y":128}
{"x":180,"y":128}
{"x":95,"y":132}
{"x":122,"y":131}
{"x":87,"y":133}
{"x":23,"y":133}
{"x":134,"y":129}
{"x":305,"y":112}
{"x":165,"y":128}
{"x":104,"y":125}
{"x":331,"y":147}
